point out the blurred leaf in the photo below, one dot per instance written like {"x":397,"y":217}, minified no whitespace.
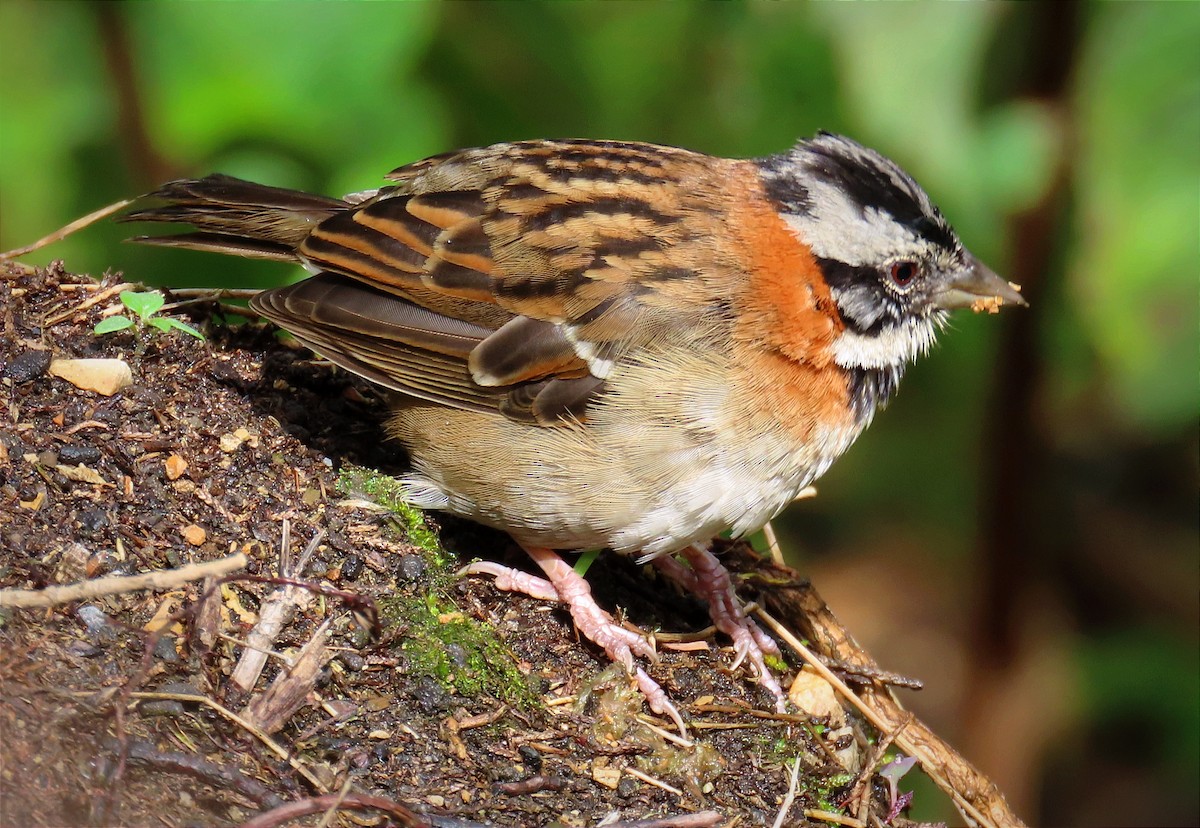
{"x":1135,"y":277}
{"x":1019,"y":144}
{"x":1140,"y":682}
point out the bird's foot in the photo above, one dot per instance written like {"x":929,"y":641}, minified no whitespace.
{"x":709,"y":580}
{"x":564,"y":585}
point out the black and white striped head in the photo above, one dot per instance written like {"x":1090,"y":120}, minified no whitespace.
{"x":894,"y":265}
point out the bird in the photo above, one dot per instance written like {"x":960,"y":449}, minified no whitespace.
{"x":609,"y":344}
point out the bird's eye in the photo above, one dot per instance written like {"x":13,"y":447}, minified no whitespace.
{"x":903,"y":273}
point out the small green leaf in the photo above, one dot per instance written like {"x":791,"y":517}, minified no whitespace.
{"x":113,"y":323}
{"x":166,"y":323}
{"x":143,"y":304}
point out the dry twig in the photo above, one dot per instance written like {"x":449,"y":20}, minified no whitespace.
{"x":272,"y":708}
{"x":117,"y":584}
{"x":249,"y":727}
{"x":793,"y":783}
{"x":292,"y":811}
{"x":277,"y":610}
{"x":66,"y":230}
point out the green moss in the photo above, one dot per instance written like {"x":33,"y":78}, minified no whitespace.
{"x":818,"y":786}
{"x":827,"y":791}
{"x":388,"y":491}
{"x":462,"y":654}
{"x":773,"y":749}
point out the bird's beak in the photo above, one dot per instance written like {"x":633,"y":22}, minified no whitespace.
{"x":977,"y":287}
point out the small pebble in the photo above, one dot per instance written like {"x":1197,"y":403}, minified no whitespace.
{"x":74,"y":455}
{"x":430,"y":695}
{"x":411,"y":567}
{"x":628,"y":786}
{"x":83,"y":649}
{"x":352,"y":568}
{"x":175,"y":467}
{"x":195,"y":535}
{"x":26,"y":366}
{"x":164,"y":650}
{"x":92,"y":520}
{"x":531,"y":757}
{"x":181,"y":687}
{"x":98,"y":624}
{"x":353,"y":661}
{"x":161,"y":707}
{"x":458,"y":656}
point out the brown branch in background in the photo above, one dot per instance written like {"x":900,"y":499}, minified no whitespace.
{"x":148,"y":167}
{"x":1010,"y":545}
{"x":1013,"y":518}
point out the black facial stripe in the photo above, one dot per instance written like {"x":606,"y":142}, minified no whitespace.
{"x":781,"y":186}
{"x":939,"y":232}
{"x":871,"y":186}
{"x":871,"y":389}
{"x":858,"y":280}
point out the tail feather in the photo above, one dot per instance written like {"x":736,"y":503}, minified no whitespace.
{"x":223,"y":243}
{"x":236,"y":217}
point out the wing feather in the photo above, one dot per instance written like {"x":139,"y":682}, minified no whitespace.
{"x":509,"y":278}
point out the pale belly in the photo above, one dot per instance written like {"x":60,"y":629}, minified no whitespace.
{"x":643,"y":478}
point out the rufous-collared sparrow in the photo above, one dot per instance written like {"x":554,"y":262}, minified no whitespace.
{"x":616,"y":345}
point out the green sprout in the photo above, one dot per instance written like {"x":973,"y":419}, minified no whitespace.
{"x":143,"y":306}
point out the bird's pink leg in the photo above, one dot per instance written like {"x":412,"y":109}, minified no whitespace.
{"x":709,"y":579}
{"x":565,"y":585}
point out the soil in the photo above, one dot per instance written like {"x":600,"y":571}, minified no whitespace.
{"x":466,"y":705}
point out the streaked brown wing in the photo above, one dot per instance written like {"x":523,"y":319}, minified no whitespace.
{"x":382,"y":337}
{"x":513,"y":276}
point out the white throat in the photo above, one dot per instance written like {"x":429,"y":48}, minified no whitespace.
{"x":893,"y":347}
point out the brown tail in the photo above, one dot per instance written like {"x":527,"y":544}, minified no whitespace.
{"x":236,"y":217}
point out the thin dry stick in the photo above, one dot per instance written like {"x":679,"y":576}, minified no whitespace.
{"x":696,"y":819}
{"x":117,"y":584}
{"x":861,"y":789}
{"x":973,"y":794}
{"x":769,"y":531}
{"x":793,"y":783}
{"x":836,"y":819}
{"x":276,"y":612}
{"x":249,"y":727}
{"x":94,"y":299}
{"x":66,"y":230}
{"x":292,"y":811}
{"x":651,"y":780}
{"x":187,"y":295}
{"x":773,"y":544}
{"x":331,"y":812}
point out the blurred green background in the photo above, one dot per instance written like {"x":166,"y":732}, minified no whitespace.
{"x":1020,"y":529}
